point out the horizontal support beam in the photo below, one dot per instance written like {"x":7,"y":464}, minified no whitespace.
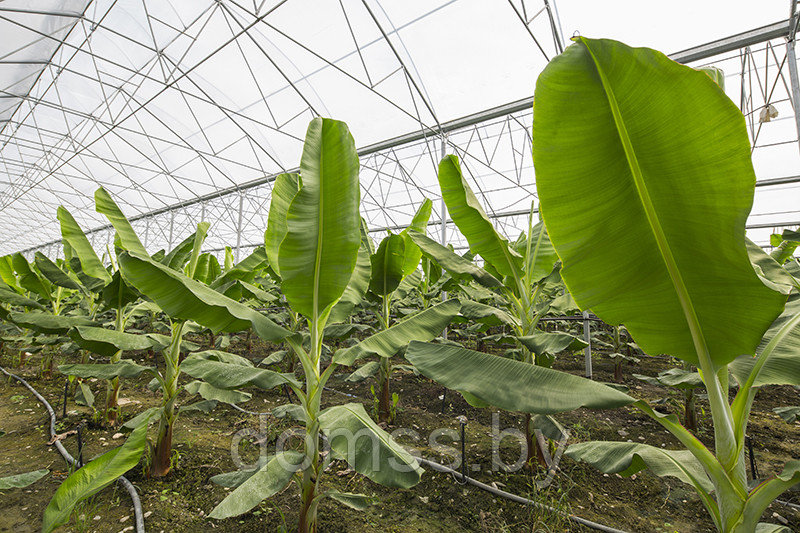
{"x":734,"y":42}
{"x":704,"y":51}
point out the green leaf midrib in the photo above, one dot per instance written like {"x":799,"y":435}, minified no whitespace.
{"x":652,"y":217}
{"x":320,"y":231}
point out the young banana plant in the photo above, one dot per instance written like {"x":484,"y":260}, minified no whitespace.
{"x":324,"y":271}
{"x":396,"y":258}
{"x":52,"y":284}
{"x":519,"y":275}
{"x":624,"y":156}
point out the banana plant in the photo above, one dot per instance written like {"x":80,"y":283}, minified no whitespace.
{"x":520,"y":275}
{"x":396,"y":258}
{"x":48,"y":282}
{"x":652,"y":159}
{"x":663,"y":177}
{"x":322,"y":273}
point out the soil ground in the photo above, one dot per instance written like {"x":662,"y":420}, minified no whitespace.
{"x":203,"y":444}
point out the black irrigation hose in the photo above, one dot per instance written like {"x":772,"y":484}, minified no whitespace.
{"x":498,"y":492}
{"x":513,"y":497}
{"x":137,"y":503}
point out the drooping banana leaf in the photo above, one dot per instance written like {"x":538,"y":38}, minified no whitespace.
{"x":20,"y":481}
{"x":771,"y":273}
{"x":233,"y":376}
{"x":185,"y":298}
{"x":651,"y":159}
{"x":628,"y":458}
{"x":457,"y":266}
{"x":92,"y":478}
{"x":28,"y":279}
{"x":107,"y":342}
{"x":318,"y":254}
{"x":265,"y":482}
{"x":10,"y":297}
{"x":783,"y":366}
{"x":53,"y":273}
{"x":508,"y":384}
{"x":209,"y":392}
{"x":544,"y":342}
{"x":122,"y":369}
{"x":486,"y":314}
{"x":357,"y":439}
{"x":48,"y":323}
{"x":425,"y":325}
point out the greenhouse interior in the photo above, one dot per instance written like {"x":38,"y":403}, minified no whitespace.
{"x":421,"y":266}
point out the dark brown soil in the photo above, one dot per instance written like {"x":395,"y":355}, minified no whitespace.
{"x":180,"y":502}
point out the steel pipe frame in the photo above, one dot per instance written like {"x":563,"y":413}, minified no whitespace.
{"x":776,"y":30}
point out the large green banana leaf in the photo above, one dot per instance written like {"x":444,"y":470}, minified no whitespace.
{"x":354,"y":292}
{"x":10,"y":297}
{"x":354,"y":437}
{"x":7,"y":275}
{"x":74,"y":236}
{"x":546,"y":342}
{"x":283,"y":192}
{"x":20,"y":481}
{"x":419,"y":222}
{"x":207,"y":269}
{"x":232,"y":376}
{"x":48,"y":323}
{"x":423,"y":326}
{"x":387,"y":265}
{"x":628,"y":458}
{"x":121,"y":369}
{"x":318,"y":254}
{"x":128,"y":239}
{"x":645,"y":180}
{"x":458,"y":267}
{"x":53,"y":273}
{"x":471,"y":219}
{"x":210,"y":392}
{"x":107,"y":342}
{"x":28,"y":279}
{"x":188,"y":299}
{"x":542,"y":257}
{"x":92,"y":478}
{"x":771,"y":273}
{"x":511,"y":385}
{"x":265,"y":482}
{"x":117,"y":294}
{"x":486,"y":314}
{"x":783,"y":365}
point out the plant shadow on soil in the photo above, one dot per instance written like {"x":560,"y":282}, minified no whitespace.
{"x":180,"y":502}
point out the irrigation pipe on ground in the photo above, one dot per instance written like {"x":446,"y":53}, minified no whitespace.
{"x":497,"y":492}
{"x":137,"y":503}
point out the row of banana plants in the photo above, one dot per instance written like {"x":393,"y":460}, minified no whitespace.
{"x":641,"y":220}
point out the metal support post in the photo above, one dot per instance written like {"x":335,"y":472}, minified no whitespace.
{"x":239,"y":227}
{"x":443,"y":211}
{"x":587,"y":352}
{"x":795,"y":81}
{"x":171,"y":227}
{"x":146,"y":231}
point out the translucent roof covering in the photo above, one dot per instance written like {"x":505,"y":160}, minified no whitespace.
{"x":184,"y":109}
